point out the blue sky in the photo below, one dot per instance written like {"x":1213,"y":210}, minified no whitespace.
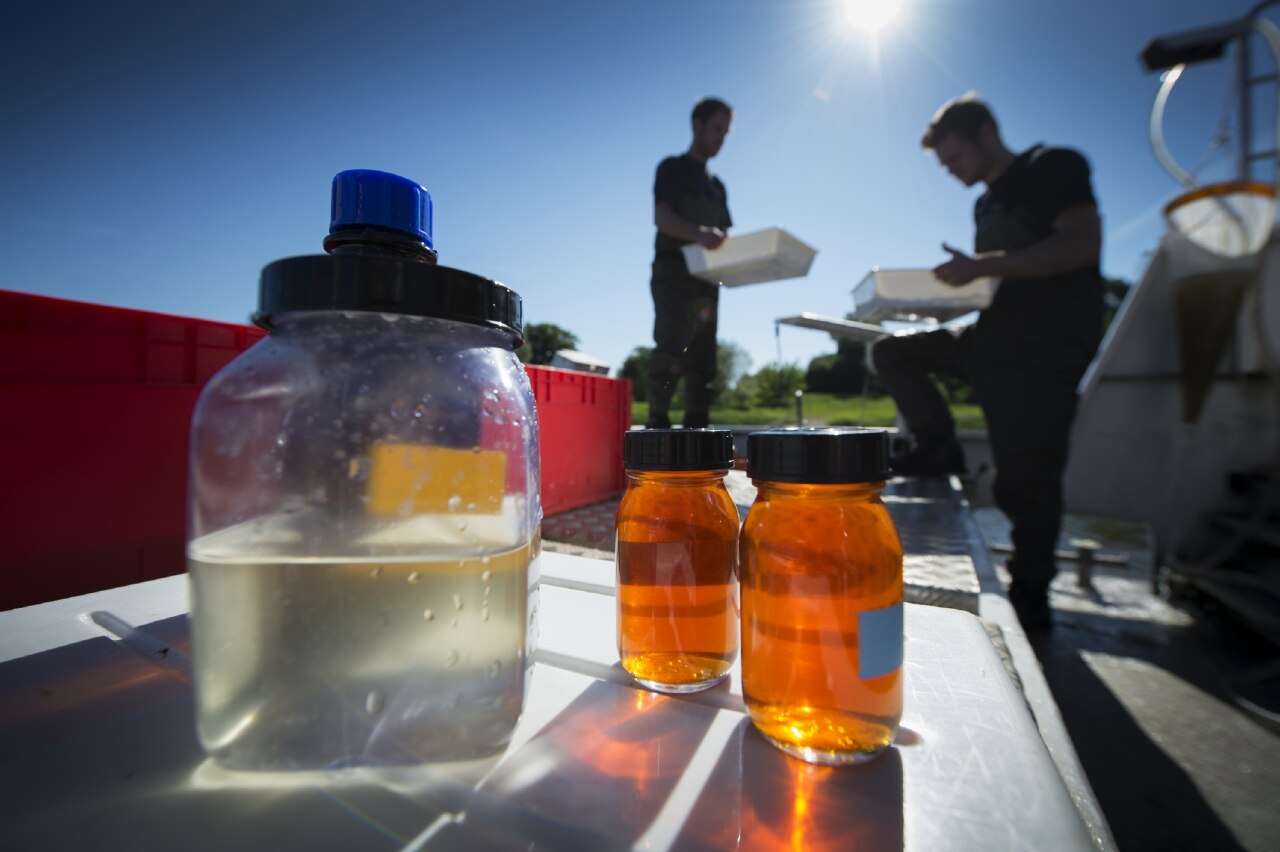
{"x":157,"y":155}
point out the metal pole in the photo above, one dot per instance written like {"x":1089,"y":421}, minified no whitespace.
{"x":1084,"y":576}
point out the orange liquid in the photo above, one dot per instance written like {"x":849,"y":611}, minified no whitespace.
{"x":678,"y":620}
{"x":814,"y":558}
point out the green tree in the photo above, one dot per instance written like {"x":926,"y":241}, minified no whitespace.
{"x":776,"y":384}
{"x":1113,"y":295}
{"x":844,"y":372}
{"x":636,"y":368}
{"x":542,"y":340}
{"x":731,"y":362}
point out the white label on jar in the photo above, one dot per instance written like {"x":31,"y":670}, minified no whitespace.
{"x":879,"y":641}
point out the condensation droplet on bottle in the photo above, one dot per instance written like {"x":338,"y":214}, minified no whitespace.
{"x":462,"y":524}
{"x":484,"y":613}
{"x":451,"y":660}
{"x":399,"y":409}
{"x":453,"y":623}
{"x":495,"y":668}
{"x":415,"y":578}
{"x":487,"y":590}
{"x":358,"y":468}
{"x":455,"y":503}
{"x":486,"y":575}
{"x":457,"y":602}
{"x":497,"y":419}
{"x":375,"y":572}
{"x":484,"y":560}
{"x":419,"y":410}
{"x":428,"y":615}
{"x":374,"y":702}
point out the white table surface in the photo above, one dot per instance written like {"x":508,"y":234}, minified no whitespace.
{"x":98,"y":751}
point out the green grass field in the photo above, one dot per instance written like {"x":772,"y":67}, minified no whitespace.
{"x":820,"y":409}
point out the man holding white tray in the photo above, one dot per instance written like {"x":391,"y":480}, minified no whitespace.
{"x":689,"y":205}
{"x":1037,"y":229}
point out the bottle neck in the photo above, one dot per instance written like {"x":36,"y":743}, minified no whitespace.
{"x":862,"y":491}
{"x":683,"y":478}
{"x":380,"y":242}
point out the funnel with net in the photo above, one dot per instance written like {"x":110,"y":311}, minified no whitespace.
{"x":1216,"y":234}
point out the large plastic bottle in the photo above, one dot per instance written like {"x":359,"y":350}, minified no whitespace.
{"x":364,"y":511}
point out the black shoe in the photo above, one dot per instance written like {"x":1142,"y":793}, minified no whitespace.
{"x":658,"y":421}
{"x":1033,"y":609}
{"x":930,"y":458}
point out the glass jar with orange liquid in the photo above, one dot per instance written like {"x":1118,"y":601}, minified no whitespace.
{"x":677,"y":559}
{"x":821,"y":571}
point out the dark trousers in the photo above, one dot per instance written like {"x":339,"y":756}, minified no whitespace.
{"x":684,"y":337}
{"x":1028,"y":410}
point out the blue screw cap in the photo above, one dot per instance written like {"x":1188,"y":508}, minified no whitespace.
{"x":368,"y":198}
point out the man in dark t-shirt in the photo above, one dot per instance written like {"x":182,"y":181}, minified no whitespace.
{"x":689,"y":206}
{"x":1038,"y":231}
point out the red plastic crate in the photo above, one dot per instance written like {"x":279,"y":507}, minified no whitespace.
{"x":97,"y":405}
{"x":581,"y":420}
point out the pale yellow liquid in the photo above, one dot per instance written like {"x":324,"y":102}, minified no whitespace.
{"x":313,"y":663}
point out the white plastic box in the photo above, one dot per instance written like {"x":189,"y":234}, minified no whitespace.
{"x":916,"y":294}
{"x":768,"y":255}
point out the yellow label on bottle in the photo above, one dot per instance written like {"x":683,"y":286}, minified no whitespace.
{"x":411,"y":479}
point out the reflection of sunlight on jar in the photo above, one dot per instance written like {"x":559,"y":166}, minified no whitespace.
{"x":788,"y":804}
{"x":617,"y":753}
{"x":629,"y":744}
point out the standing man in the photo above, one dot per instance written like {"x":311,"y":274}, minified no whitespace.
{"x":689,"y":206}
{"x":1038,"y":231}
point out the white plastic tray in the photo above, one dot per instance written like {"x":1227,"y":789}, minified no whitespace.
{"x":768,"y":255}
{"x":915,"y":293}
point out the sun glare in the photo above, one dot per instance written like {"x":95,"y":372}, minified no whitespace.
{"x":870,"y":15}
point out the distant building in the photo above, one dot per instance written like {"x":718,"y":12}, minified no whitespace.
{"x":570,"y":359}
